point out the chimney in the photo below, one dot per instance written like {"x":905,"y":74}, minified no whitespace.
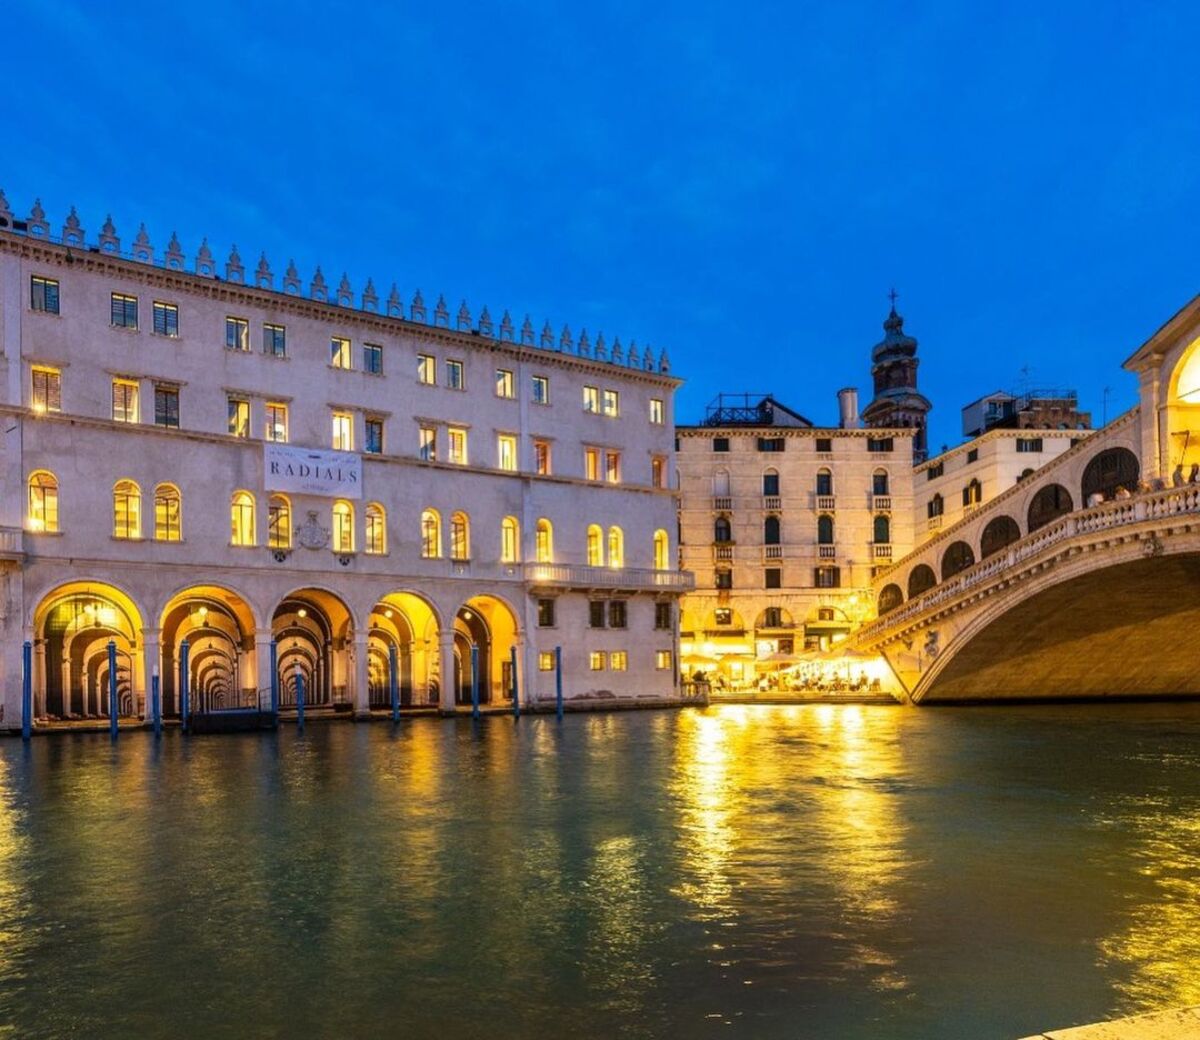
{"x":848,"y":408}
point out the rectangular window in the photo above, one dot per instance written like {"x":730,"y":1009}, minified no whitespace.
{"x":591,"y":399}
{"x":591,"y":464}
{"x":124,"y":311}
{"x":124,"y":400}
{"x":825,"y":445}
{"x":596,"y":613}
{"x":277,"y":422}
{"x":772,"y":578}
{"x":239,"y":416}
{"x":506,"y":450}
{"x":343,"y":431}
{"x":541,"y":457}
{"x":658,"y":471}
{"x":373,"y":359}
{"x":166,"y":406}
{"x":47,"y":390}
{"x":237,"y":334}
{"x":720,"y":444}
{"x":972,"y":456}
{"x":771,"y":443}
{"x":597,"y":660}
{"x":663,"y":616}
{"x":427,"y":443}
{"x":656,"y":411}
{"x":612,"y":403}
{"x":426,"y":369}
{"x":166,"y":319}
{"x":458,"y":445}
{"x":43,"y":294}
{"x":663,"y":659}
{"x":617,"y":613}
{"x":1029,"y":444}
{"x":827,"y":578}
{"x":504,"y":383}
{"x":373,"y":436}
{"x":541,"y":389}
{"x":455,"y":379}
{"x":545,"y":613}
{"x":612,"y":467}
{"x":339,"y":352}
{"x":879,"y":444}
{"x":723,"y":579}
{"x":935,"y":471}
{"x":545,"y":661}
{"x":274,"y":340}
{"x":618,"y":660}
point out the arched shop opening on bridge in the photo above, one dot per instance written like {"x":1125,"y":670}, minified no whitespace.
{"x":222,"y":670}
{"x":312,"y":629}
{"x":403,"y":629}
{"x":488,"y":624}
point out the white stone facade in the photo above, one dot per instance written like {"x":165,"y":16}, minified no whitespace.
{"x":150,"y":521}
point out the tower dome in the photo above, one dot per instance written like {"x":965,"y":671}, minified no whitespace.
{"x":897,"y":403}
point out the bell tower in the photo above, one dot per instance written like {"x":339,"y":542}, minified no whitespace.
{"x":894,"y":370}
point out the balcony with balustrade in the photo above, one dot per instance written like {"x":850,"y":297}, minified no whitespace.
{"x":580,"y":576}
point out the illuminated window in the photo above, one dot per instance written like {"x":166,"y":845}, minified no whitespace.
{"x":237,"y":334}
{"x":241,"y":518}
{"x":544,"y":541}
{"x":343,"y":431}
{"x":343,"y":527}
{"x":168,"y":513}
{"x":43,"y":502}
{"x":431,"y":535}
{"x":238,"y":410}
{"x":166,"y":319}
{"x":454,"y":375}
{"x":618,"y":660}
{"x":427,"y":443}
{"x":373,"y":359}
{"x":612,"y":403}
{"x":460,"y":537}
{"x":662,"y":660}
{"x":595,"y":546}
{"x":662,"y":555}
{"x":612,"y":467}
{"x":506,"y":445}
{"x":279,"y":522}
{"x":658,"y":471}
{"x":124,"y":311}
{"x":124,"y":401}
{"x":373,"y":436}
{"x":43,"y":294}
{"x":277,"y":422}
{"x":591,"y":399}
{"x":339,"y":352}
{"x":545,"y":661}
{"x":597,"y":660}
{"x":616,"y":547}
{"x":274,"y":340}
{"x":426,"y":369}
{"x":541,"y":457}
{"x":166,"y":406}
{"x":376,"y":542}
{"x":47,"y":390}
{"x":510,"y":540}
{"x":656,"y":411}
{"x":457,"y":443}
{"x":591,"y":463}
{"x":541,"y":389}
{"x":127,"y":510}
{"x":504,"y":383}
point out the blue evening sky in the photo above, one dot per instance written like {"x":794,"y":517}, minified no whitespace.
{"x":739,"y":183}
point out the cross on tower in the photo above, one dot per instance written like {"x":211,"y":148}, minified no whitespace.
{"x":892,"y":295}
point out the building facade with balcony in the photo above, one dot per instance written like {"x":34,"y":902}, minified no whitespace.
{"x":259,"y":477}
{"x":784,"y":524}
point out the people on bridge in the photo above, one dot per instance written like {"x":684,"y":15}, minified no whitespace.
{"x":1122,"y":492}
{"x":1177,"y":476}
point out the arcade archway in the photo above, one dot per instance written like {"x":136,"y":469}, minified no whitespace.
{"x":219,"y":628}
{"x":312,"y":632}
{"x":405,"y":623}
{"x":490,"y":624}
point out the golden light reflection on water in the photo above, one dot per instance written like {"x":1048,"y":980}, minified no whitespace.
{"x":11,"y":848}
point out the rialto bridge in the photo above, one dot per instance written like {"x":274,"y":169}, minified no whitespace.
{"x":1082,"y":580}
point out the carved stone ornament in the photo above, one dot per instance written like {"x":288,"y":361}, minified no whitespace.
{"x":311,"y":534}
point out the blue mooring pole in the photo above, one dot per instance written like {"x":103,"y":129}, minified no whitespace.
{"x":274,"y":684}
{"x":394,"y":682}
{"x":299,"y":700}
{"x":155,"y":704}
{"x":112,"y":689}
{"x":516,"y":693}
{"x":558,"y":702}
{"x":27,"y":690}
{"x":474,"y":681}
{"x":184,"y":649}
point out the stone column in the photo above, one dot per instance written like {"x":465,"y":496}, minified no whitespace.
{"x":262,"y":669}
{"x":362,"y":699}
{"x":151,"y":661}
{"x":39,"y":677}
{"x":446,"y":670}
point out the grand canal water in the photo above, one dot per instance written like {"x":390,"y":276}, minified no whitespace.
{"x":824,"y":872}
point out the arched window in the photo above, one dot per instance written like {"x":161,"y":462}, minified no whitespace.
{"x":721,"y":483}
{"x":958,"y":557}
{"x":825,"y":529}
{"x":921,"y":579}
{"x":824,"y":482}
{"x":1000,"y":532}
{"x":544,"y":541}
{"x":1049,"y":503}
{"x":890,"y":597}
{"x":431,"y":534}
{"x":881,"y":529}
{"x":616,"y":547}
{"x":1110,"y":469}
{"x":279,"y":522}
{"x":936,"y":506}
{"x":722,"y":530}
{"x":771,"y":482}
{"x":168,"y":513}
{"x":343,"y":527}
{"x":662,"y":551}
{"x":879,"y":484}
{"x":460,"y":537}
{"x":510,"y":540}
{"x":972,"y":494}
{"x":43,"y":502}
{"x":771,"y":530}
{"x":241,"y":518}
{"x":595,"y":546}
{"x":376,"y":532}
{"x":127,"y":510}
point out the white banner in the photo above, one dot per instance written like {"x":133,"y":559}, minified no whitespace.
{"x":334,"y":474}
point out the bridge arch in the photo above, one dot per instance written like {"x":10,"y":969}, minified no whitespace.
{"x":1108,"y":470}
{"x":1000,"y":532}
{"x":890,"y":597}
{"x":921,"y":579}
{"x":1049,"y":503}
{"x":957,"y":557}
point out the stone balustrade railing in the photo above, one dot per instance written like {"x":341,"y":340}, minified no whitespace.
{"x":11,"y":541}
{"x":572,"y":575}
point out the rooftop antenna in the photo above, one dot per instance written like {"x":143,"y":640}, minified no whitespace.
{"x":1104,"y":410}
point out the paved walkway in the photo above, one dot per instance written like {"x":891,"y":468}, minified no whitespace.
{"x":1180,"y":1024}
